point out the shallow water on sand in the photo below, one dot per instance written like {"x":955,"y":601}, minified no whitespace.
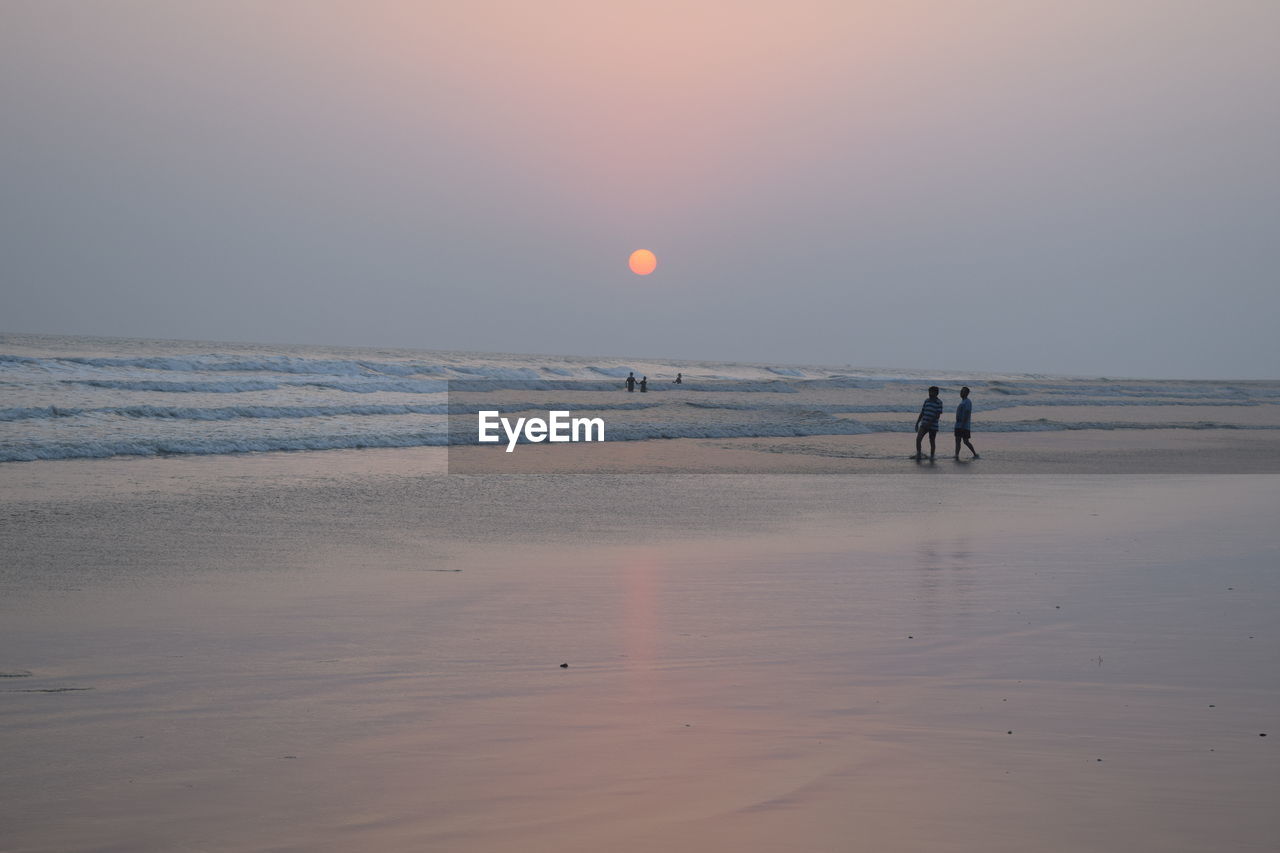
{"x":346,"y":660}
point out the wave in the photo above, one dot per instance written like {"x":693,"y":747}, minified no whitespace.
{"x":217,"y":373}
{"x":231,"y":364}
{"x":824,"y":408}
{"x":1128,"y":391}
{"x":987,"y":406}
{"x":229,"y":413}
{"x":230,"y":386}
{"x":848,"y":426}
{"x":32,"y":412}
{"x":728,"y":385}
{"x":1086,"y":401}
{"x":356,"y":385}
{"x":138,"y":446}
{"x":517,"y":373}
{"x":211,"y":447}
{"x":1054,"y":426}
{"x":214,"y":363}
{"x":161,"y":385}
{"x":481,"y":384}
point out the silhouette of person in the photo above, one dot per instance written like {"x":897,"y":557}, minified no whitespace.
{"x":927,"y":422}
{"x":964,"y":414}
{"x":631,"y":381}
{"x":678,"y":378}
{"x":644,"y":384}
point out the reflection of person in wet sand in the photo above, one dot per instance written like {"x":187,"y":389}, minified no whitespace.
{"x":964,"y":414}
{"x":631,"y":381}
{"x":927,"y":422}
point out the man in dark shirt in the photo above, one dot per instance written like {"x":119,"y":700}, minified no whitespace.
{"x":927,"y":422}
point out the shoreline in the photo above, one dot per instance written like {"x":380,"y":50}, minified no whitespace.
{"x":1173,"y":451}
{"x":1035,"y":453}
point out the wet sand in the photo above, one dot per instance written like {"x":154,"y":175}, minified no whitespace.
{"x":1136,"y":451}
{"x":295,"y":653}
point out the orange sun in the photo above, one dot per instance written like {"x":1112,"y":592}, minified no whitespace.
{"x":643,"y":262}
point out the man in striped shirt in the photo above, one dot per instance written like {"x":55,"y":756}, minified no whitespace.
{"x":927,"y":421}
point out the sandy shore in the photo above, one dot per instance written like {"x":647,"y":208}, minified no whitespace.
{"x":292,"y":653}
{"x":1146,"y":451}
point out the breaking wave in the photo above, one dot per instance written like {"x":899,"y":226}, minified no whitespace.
{"x":205,"y":447}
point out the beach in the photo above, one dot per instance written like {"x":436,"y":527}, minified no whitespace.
{"x":354,"y":649}
{"x":473,"y":428}
{"x":281,"y":598}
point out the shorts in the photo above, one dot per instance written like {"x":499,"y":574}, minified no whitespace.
{"x":931,"y":429}
{"x":962,"y":433}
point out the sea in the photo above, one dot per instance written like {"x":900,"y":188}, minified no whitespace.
{"x":65,"y":397}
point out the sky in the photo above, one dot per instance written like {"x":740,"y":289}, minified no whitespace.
{"x":1088,"y":187}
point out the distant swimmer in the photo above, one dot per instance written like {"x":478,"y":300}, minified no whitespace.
{"x":927,"y":422}
{"x":631,"y":381}
{"x":644,"y":384}
{"x":679,"y":378}
{"x":964,"y":414}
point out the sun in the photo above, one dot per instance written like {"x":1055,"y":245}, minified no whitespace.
{"x":643,"y":262}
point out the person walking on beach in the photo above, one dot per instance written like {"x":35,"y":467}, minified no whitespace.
{"x":927,"y":422}
{"x":631,"y":381}
{"x":964,"y":414}
{"x":644,"y":384}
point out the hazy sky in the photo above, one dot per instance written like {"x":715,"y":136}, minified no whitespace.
{"x":1071,"y":187}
